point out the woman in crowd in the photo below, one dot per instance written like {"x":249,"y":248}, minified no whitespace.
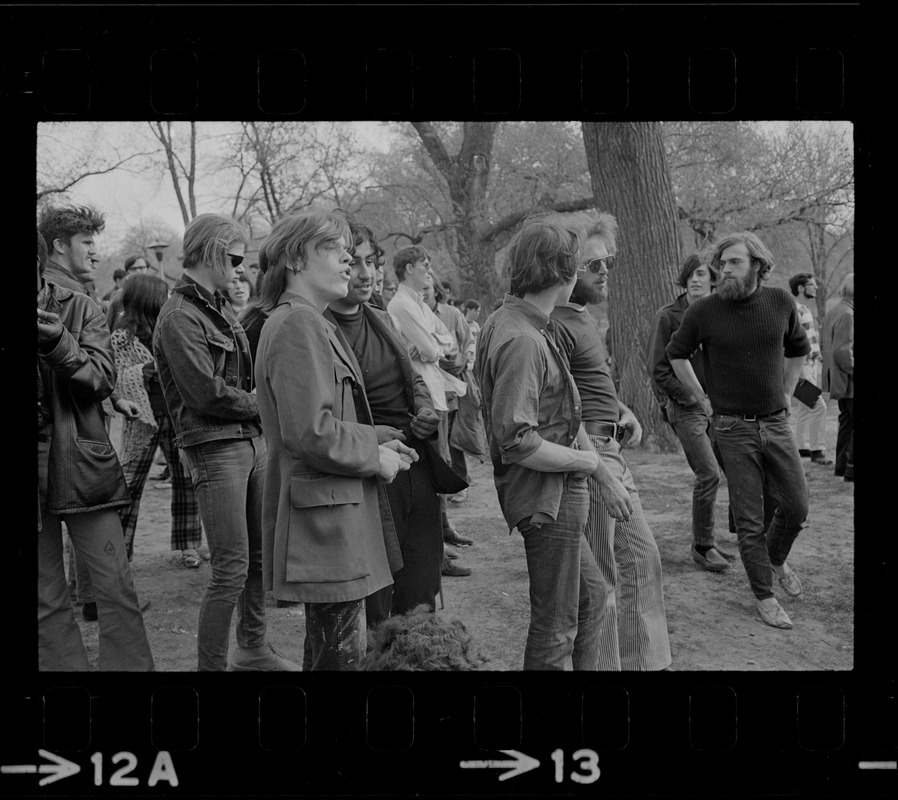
{"x":240,"y":292}
{"x":329,"y":544}
{"x":138,"y":381}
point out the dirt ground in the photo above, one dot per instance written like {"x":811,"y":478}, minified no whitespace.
{"x":711,"y":617}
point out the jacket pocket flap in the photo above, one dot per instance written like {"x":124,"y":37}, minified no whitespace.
{"x":220,"y":340}
{"x":308,"y":491}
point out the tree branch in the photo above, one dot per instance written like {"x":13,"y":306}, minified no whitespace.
{"x":435,"y":148}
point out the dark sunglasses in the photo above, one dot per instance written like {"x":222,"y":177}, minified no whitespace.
{"x":596,"y":264}
{"x":236,"y":261}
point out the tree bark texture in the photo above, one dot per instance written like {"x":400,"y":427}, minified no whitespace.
{"x":631,"y":180}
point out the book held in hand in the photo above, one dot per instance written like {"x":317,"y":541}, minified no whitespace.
{"x":807,"y":392}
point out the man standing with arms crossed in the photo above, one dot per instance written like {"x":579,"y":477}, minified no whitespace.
{"x":633,"y":634}
{"x":540,"y":452}
{"x":745,"y":331}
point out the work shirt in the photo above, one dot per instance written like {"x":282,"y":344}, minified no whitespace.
{"x":529,"y":397}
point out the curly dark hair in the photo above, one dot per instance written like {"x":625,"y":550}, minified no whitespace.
{"x":63,"y":222}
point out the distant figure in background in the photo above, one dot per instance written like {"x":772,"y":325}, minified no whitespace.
{"x":471,"y":309}
{"x":810,"y":423}
{"x":240,"y":292}
{"x":80,"y":481}
{"x":118,"y":279}
{"x":389,"y":290}
{"x":138,"y":381}
{"x":838,"y":373}
{"x":253,"y":271}
{"x":134,"y":265}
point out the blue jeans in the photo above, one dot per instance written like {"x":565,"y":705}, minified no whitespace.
{"x":336,"y":635}
{"x":228,"y":475}
{"x":566,"y":588}
{"x":693,"y":429}
{"x":762,"y":456}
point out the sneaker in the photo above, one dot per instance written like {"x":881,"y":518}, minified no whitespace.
{"x":447,"y":553}
{"x":459,"y":497}
{"x":711,"y":560}
{"x":772,"y":613}
{"x":89,"y":612}
{"x":788,"y":580}
{"x":453,"y":570}
{"x":819,"y":457}
{"x":259,"y":659}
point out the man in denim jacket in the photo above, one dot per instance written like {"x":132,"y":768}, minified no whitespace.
{"x":206,"y":373}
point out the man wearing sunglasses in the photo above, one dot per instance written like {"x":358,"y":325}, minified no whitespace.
{"x":206,"y":372}
{"x":633,"y":632}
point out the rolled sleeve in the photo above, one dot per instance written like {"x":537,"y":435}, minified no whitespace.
{"x":518,"y":369}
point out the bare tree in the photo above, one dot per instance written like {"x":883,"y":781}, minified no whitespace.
{"x":178,"y":170}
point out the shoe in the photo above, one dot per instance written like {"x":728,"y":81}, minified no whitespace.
{"x":143,"y":605}
{"x":190,"y":559}
{"x":788,"y":580}
{"x":89,"y":612}
{"x":459,"y":497}
{"x":849,"y":476}
{"x":454,"y":538}
{"x":203,"y":552}
{"x":449,"y":553}
{"x":819,"y":457}
{"x":772,"y":613}
{"x":729,"y":556}
{"x":804,"y":453}
{"x":259,"y":659}
{"x":711,"y":561}
{"x":454,"y":570}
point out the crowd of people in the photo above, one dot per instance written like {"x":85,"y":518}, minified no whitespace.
{"x":315,"y":414}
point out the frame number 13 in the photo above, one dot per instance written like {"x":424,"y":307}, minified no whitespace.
{"x":587,"y":766}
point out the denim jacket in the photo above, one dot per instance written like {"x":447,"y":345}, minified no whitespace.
{"x":205,"y":367}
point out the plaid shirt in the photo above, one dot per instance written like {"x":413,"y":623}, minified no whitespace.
{"x":807,"y":322}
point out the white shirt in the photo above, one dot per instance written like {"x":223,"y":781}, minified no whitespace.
{"x":418,"y":326}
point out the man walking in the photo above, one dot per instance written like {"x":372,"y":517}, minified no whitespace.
{"x":540,"y":452}
{"x":633,"y":633}
{"x":838,"y":373}
{"x":810,"y":423}
{"x":745,"y":331}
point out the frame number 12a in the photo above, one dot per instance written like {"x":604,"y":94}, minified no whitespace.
{"x":587,"y":766}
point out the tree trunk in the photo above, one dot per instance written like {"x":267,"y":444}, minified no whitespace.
{"x":631,"y":179}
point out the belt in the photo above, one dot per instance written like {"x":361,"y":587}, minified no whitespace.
{"x":610,"y":429}
{"x":753,"y":417}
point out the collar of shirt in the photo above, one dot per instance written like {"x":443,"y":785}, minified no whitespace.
{"x":530,"y":312}
{"x":411,"y":293}
{"x":214,"y":299}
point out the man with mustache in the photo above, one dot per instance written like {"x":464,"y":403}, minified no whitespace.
{"x":633,"y":631}
{"x":753,"y":350}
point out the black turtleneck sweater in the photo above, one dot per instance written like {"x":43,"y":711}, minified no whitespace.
{"x":743,"y":345}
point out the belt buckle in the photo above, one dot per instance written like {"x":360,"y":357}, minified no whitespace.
{"x":750,"y":417}
{"x":616,"y":431}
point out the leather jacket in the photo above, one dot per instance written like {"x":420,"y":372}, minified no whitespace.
{"x":205,"y":367}
{"x":78,"y":373}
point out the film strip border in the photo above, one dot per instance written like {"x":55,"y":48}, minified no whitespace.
{"x":792,"y":734}
{"x":384,"y":62}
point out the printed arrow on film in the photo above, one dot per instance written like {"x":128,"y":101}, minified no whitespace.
{"x":522,"y":763}
{"x":61,"y":768}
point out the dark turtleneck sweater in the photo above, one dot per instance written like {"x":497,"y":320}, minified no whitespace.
{"x":743,"y":345}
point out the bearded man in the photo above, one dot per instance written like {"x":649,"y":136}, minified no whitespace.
{"x":753,"y":350}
